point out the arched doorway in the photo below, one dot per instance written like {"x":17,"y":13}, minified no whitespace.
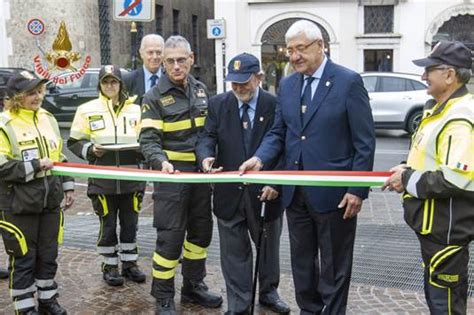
{"x":274,"y":62}
{"x":459,"y":28}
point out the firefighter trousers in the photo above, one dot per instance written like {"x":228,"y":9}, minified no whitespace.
{"x":183,"y":220}
{"x":33,"y":253}
{"x":126,"y":208}
{"x":445,"y":276}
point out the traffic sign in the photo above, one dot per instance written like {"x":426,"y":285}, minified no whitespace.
{"x":35,"y":27}
{"x":215,"y":29}
{"x":134,"y":10}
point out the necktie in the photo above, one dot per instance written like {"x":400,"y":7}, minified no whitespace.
{"x":153,"y":80}
{"x":307,"y":96}
{"x":246,"y":127}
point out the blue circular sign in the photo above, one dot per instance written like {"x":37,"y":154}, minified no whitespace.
{"x":136,"y":9}
{"x":216,"y":31}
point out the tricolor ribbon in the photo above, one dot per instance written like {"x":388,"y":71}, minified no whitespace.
{"x":297,"y":178}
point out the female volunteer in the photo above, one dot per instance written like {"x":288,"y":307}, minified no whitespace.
{"x":30,"y":197}
{"x":112,"y":118}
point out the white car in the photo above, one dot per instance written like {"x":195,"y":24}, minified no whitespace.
{"x":396,"y":99}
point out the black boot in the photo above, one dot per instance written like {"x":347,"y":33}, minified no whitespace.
{"x":30,"y":311}
{"x":197,"y":292}
{"x":165,"y":307}
{"x":4,"y":273}
{"x":51,"y":307}
{"x":112,"y":276}
{"x":134,"y":273}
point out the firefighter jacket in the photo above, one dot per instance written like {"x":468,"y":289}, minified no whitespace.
{"x":25,"y":138}
{"x":171,"y":120}
{"x":439,"y":195}
{"x":98,"y":122}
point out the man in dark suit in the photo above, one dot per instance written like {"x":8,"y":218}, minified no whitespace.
{"x":323,"y":122}
{"x":235,"y":125}
{"x":141,"y":80}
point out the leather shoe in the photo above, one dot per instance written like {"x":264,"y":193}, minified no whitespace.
{"x":246,"y":312}
{"x":112,"y":277}
{"x":276,"y":305}
{"x":197,"y":292}
{"x":51,"y":307}
{"x":31,"y":311}
{"x":4,"y":273}
{"x":134,"y":274}
{"x":165,"y":307}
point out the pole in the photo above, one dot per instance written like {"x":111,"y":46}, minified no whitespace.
{"x":133,"y":33}
{"x":257,"y":259}
{"x":223,"y":65}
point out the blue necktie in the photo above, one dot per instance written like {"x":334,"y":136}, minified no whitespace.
{"x":153,"y":80}
{"x":246,"y":128}
{"x":306,"y":98}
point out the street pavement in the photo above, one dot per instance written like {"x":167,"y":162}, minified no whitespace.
{"x":386,"y":278}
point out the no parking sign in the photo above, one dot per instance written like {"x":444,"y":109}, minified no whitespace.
{"x":35,"y":27}
{"x":134,"y":10}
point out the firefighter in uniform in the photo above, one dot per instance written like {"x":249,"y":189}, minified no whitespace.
{"x":173,"y":113}
{"x":31,"y":219}
{"x":113,"y":118}
{"x":438,"y":179}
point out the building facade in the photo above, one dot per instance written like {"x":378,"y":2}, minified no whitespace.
{"x":93,"y":32}
{"x":364,"y":35}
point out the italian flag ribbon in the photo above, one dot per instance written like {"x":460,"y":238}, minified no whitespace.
{"x":293,"y":178}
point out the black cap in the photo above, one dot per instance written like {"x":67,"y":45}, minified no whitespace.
{"x":23,"y":81}
{"x":447,"y":53}
{"x":110,"y":71}
{"x":241,"y":67}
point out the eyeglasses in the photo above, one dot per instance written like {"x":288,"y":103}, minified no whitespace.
{"x":110,"y":82}
{"x":299,"y":49}
{"x":433,"y":68}
{"x":180,"y":61}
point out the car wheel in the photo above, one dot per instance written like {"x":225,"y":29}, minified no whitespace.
{"x":414,"y":121}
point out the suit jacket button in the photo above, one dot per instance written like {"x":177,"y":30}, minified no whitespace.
{"x":303,"y":138}
{"x":240,"y":188}
{"x":296,"y":163}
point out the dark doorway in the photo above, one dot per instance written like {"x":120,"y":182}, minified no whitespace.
{"x":379,"y":60}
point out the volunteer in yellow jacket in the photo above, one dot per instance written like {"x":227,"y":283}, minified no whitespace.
{"x":30,"y":197}
{"x":112,"y":119}
{"x":438,"y":179}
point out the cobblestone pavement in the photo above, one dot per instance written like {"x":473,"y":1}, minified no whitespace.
{"x":386,"y":277}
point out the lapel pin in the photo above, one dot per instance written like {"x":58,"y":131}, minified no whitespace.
{"x":328,"y":83}
{"x":261,"y":118}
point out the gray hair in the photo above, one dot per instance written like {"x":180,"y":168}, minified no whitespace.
{"x":303,"y":27}
{"x":150,"y":38}
{"x":463,"y":75}
{"x":178,"y":41}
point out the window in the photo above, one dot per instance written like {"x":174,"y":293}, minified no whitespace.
{"x":370,"y":83}
{"x":378,"y":19}
{"x":195,"y":38}
{"x":175,"y":22}
{"x":388,"y":84}
{"x":104,"y":32}
{"x":159,"y":19}
{"x":380,"y":60}
{"x":417,"y":85}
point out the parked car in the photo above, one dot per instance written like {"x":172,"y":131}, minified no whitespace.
{"x":62,"y":100}
{"x":5,"y":74}
{"x":396,"y":99}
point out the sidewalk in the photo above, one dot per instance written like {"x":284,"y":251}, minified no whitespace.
{"x":386,"y":277}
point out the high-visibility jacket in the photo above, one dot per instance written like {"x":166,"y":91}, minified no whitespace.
{"x":171,"y":120}
{"x":98,"y":122}
{"x":439,"y":195}
{"x":25,"y":138}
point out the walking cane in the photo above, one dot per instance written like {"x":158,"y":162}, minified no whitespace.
{"x":257,"y":259}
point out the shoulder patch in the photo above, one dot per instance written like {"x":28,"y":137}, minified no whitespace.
{"x":145,"y":108}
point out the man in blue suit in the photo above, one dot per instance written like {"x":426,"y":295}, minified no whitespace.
{"x":223,"y":145}
{"x":323,"y":122}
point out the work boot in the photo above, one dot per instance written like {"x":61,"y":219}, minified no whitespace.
{"x":4,"y":273}
{"x":30,"y":311}
{"x":197,"y":292}
{"x":51,"y":307}
{"x":134,"y":273}
{"x":165,"y":307}
{"x":112,"y":276}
